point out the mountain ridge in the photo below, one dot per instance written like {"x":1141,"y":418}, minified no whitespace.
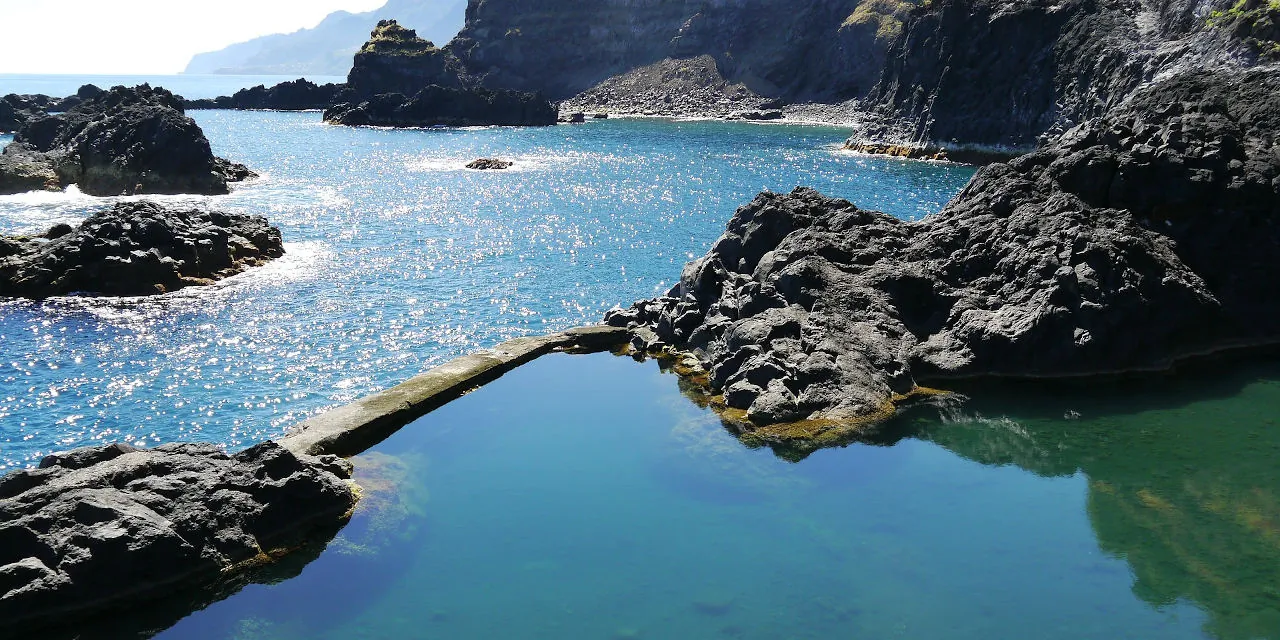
{"x":327,"y":48}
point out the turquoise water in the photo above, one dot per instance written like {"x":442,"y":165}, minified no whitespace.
{"x":584,"y":497}
{"x":188,"y":86}
{"x":398,"y":259}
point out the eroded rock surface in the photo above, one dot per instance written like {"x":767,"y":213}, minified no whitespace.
{"x":488,"y":164}
{"x":136,"y":248}
{"x":123,"y":141}
{"x":112,"y":528}
{"x":401,"y":80}
{"x":1134,"y":241}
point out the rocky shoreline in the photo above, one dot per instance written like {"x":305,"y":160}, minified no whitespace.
{"x":122,"y":539}
{"x":124,"y":141}
{"x":136,"y":249}
{"x":1134,"y":241}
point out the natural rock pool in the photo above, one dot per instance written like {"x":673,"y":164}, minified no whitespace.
{"x":398,"y":258}
{"x":584,"y":497}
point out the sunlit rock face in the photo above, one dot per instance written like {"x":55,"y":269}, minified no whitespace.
{"x":777,"y":49}
{"x":1134,"y":241}
{"x":113,"y":527}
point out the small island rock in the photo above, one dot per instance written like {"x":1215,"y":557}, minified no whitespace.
{"x":484,"y":164}
{"x":1134,"y":241}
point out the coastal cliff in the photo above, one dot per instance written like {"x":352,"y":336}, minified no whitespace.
{"x":776,"y":49}
{"x":401,"y":80}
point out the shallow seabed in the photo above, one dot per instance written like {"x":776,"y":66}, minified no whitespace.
{"x":398,"y":258}
{"x":584,"y":497}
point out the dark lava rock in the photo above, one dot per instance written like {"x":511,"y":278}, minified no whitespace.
{"x":401,"y":80}
{"x":113,"y":528}
{"x":445,"y":106}
{"x":396,"y":60}
{"x":990,"y":72}
{"x":24,"y":169}
{"x":1135,"y":241}
{"x":484,"y":164}
{"x":296,"y":95}
{"x":136,"y":248}
{"x":123,"y":141}
{"x":577,"y":117}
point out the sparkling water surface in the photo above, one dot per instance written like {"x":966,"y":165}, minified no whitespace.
{"x":584,"y":497}
{"x":189,"y":86}
{"x":398,"y":258}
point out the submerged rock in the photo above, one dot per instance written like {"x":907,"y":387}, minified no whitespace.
{"x":484,"y":164}
{"x":112,"y":528}
{"x":123,"y":141}
{"x":136,"y":248}
{"x":1135,"y":241}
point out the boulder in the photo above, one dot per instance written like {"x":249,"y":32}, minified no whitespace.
{"x":112,"y":528}
{"x":1135,"y":241}
{"x":123,"y":141}
{"x":485,"y":164}
{"x":136,"y":248}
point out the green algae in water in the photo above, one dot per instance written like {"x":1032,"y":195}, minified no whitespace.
{"x":583,"y":496}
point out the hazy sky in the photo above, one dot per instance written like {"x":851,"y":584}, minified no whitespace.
{"x":142,"y":36}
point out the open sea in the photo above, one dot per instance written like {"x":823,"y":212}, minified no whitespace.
{"x":584,"y":496}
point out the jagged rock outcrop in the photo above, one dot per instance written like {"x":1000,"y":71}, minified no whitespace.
{"x":489,"y":164}
{"x":992,"y":73}
{"x":688,"y":87}
{"x":401,"y":80}
{"x":113,"y":528}
{"x":396,"y":60}
{"x":16,"y":110}
{"x":136,"y":248}
{"x":295,"y":95}
{"x":123,"y":141}
{"x":776,"y":49}
{"x":1136,"y":240}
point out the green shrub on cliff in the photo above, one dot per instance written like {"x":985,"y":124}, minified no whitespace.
{"x":1255,"y":22}
{"x":391,"y":39}
{"x":886,"y":16}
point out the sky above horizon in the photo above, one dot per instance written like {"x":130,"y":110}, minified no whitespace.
{"x":143,"y":36}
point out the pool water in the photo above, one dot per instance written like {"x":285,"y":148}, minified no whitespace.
{"x":398,"y":259}
{"x":585,"y":497}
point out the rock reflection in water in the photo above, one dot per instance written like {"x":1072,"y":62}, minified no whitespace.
{"x":1183,"y":478}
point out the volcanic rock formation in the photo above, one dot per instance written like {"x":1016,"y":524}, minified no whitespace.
{"x":401,"y":80}
{"x":138,"y":248}
{"x":295,"y":95}
{"x":113,"y":528}
{"x":1136,"y":240}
